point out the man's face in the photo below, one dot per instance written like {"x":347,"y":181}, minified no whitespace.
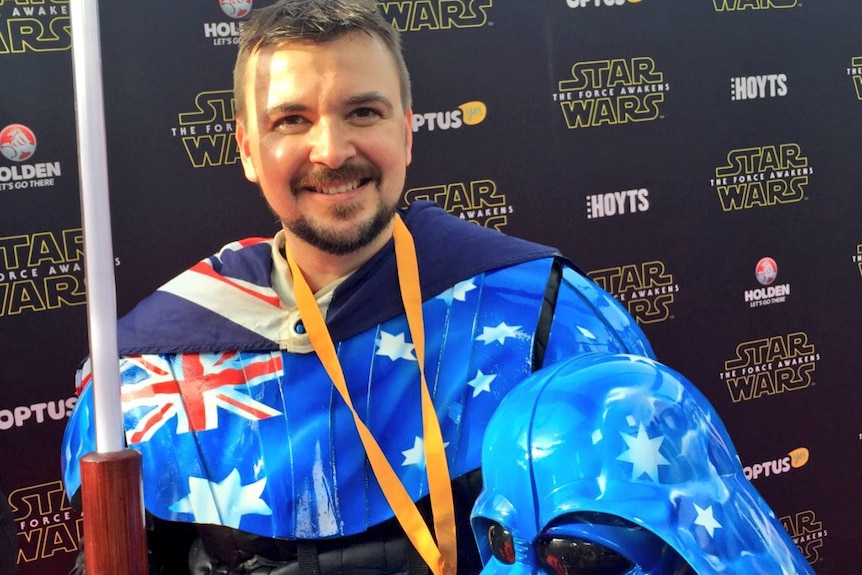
{"x":327,"y":139}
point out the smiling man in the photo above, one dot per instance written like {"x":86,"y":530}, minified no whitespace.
{"x":315,"y":402}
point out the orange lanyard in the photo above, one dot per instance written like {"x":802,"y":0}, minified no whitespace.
{"x":443,"y":559}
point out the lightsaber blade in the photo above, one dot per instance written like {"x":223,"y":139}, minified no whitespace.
{"x":96,"y":223}
{"x":111,"y":489}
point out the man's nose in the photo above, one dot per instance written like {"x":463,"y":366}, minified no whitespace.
{"x":331,"y":143}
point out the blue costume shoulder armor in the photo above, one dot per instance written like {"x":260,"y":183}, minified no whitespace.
{"x":236,"y":432}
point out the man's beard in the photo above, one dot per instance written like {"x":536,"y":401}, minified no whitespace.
{"x":340,"y":243}
{"x":332,"y":241}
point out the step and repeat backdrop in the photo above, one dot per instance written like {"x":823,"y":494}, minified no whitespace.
{"x":699,"y":159}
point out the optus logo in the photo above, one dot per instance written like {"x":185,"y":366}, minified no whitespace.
{"x":793,"y":460}
{"x":17,"y":142}
{"x":467,"y":114}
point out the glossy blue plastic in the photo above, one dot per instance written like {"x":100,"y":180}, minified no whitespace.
{"x":624,"y":452}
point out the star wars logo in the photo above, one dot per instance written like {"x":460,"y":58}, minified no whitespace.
{"x":611,"y":92}
{"x":739,"y":5}
{"x":807,"y":532}
{"x":41,"y":271}
{"x":855,"y":73}
{"x":617,"y":203}
{"x":758,"y":87}
{"x":436,"y":14}
{"x":34,"y":26}
{"x":647,"y":289}
{"x":467,"y":114}
{"x":793,"y":460}
{"x":762,"y":176}
{"x":46,"y":523}
{"x":770,"y":366}
{"x":207,"y":133}
{"x":478,"y":201}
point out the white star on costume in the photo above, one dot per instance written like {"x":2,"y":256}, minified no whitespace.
{"x":394,"y":347}
{"x":499,"y":333}
{"x":706,"y":519}
{"x":223,"y":503}
{"x":458,"y":291}
{"x":643,"y":454}
{"x":416,"y":454}
{"x":481,"y":382}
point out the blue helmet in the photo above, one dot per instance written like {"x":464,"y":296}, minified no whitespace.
{"x":617,"y":465}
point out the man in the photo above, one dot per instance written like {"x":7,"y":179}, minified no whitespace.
{"x":315,"y":403}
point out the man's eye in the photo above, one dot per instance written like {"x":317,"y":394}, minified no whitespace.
{"x":288,"y":121}
{"x":366,"y":113}
{"x":502,"y":544}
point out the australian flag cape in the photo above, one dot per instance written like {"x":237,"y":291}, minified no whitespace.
{"x":448,"y":250}
{"x":236,"y":432}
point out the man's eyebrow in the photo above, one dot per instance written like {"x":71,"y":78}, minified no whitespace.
{"x":370,"y":98}
{"x":286,"y":108}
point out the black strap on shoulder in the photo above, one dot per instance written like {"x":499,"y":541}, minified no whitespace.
{"x":546,"y":315}
{"x":415,"y":564}
{"x":306,"y":558}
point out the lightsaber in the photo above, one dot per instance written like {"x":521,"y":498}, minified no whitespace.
{"x":114,"y":533}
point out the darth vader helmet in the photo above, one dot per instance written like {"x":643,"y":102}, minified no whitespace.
{"x":617,"y":465}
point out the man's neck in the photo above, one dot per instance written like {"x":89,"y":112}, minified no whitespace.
{"x":321,"y":268}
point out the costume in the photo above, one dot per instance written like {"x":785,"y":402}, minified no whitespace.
{"x":238,"y":433}
{"x":657,"y":489}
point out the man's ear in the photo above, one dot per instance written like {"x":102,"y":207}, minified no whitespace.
{"x":409,"y":141}
{"x":244,"y":141}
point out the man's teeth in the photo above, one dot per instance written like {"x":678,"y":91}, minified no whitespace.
{"x":338,"y":189}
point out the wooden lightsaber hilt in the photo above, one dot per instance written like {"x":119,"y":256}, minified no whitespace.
{"x":115,"y":541}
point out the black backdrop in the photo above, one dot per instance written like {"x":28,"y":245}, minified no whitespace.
{"x":667,"y":147}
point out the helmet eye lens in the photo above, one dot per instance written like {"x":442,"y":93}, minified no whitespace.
{"x":502,"y":544}
{"x":573,"y":556}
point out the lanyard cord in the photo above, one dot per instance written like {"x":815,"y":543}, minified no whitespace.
{"x":443,"y":559}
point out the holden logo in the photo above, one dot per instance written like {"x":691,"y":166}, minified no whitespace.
{"x":766,"y":271}
{"x":17,"y":142}
{"x":236,"y":8}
